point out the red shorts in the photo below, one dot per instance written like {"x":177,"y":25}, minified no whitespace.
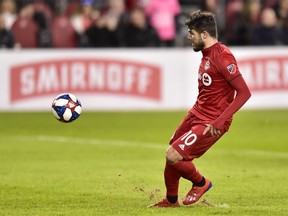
{"x":188,"y":139}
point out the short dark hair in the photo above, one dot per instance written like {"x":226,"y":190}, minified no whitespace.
{"x":202,"y":21}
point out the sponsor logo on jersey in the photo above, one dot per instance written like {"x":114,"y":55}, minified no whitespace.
{"x":206,"y":79}
{"x":231,"y":68}
{"x":207,"y":65}
{"x":181,"y":146}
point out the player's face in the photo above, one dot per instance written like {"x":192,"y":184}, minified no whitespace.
{"x":196,"y":39}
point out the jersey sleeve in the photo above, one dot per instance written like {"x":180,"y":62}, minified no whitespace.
{"x":242,"y":95}
{"x":227,"y":66}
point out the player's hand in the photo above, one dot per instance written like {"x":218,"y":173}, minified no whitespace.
{"x":213,"y":131}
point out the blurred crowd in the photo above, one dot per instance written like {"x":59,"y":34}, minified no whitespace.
{"x":136,"y":23}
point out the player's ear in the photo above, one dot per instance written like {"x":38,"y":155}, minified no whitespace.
{"x":204,"y":35}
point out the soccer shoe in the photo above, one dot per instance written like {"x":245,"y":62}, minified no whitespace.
{"x":196,"y":193}
{"x":164,"y":204}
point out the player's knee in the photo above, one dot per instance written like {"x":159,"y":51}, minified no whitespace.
{"x":172,"y":156}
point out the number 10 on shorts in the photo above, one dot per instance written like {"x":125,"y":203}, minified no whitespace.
{"x":189,"y":138}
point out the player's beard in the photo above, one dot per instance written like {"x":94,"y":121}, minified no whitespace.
{"x":198,"y":45}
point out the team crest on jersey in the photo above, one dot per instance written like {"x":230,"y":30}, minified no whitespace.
{"x":206,"y":79}
{"x":207,"y":65}
{"x":231,"y":68}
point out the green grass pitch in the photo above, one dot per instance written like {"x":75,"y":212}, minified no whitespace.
{"x":111,"y":163}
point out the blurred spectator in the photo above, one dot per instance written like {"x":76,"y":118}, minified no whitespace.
{"x":83,"y":19}
{"x":102,"y":35}
{"x":108,"y":30}
{"x":190,"y":4}
{"x":43,"y":28}
{"x":6,"y":37}
{"x":210,"y":5}
{"x":233,"y":9}
{"x":252,"y":11}
{"x":218,"y":8}
{"x":41,"y":6}
{"x":131,"y":4}
{"x":281,"y":9}
{"x":269,"y":3}
{"x":139,"y":33}
{"x":241,"y":23}
{"x":162,"y":14}
{"x":67,"y":7}
{"x":267,"y":32}
{"x":116,"y":16}
{"x":108,"y":23}
{"x":50,"y":3}
{"x":8,"y":12}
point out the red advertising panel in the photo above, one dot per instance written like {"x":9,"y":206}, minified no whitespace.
{"x":95,"y":76}
{"x":265,"y":73}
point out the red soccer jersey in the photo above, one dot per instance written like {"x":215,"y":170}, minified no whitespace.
{"x":218,"y":67}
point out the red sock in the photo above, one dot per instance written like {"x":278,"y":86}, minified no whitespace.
{"x":188,"y":171}
{"x":172,"y":177}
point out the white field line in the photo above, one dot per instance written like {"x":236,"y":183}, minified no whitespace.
{"x":252,"y":152}
{"x":92,"y":141}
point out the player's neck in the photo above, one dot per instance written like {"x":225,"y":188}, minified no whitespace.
{"x":210,"y":42}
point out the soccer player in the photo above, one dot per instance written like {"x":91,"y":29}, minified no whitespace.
{"x":222,"y":92}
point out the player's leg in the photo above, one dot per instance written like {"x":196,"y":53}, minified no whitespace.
{"x":175,"y":168}
{"x":192,"y":145}
{"x":171,"y":175}
{"x":187,"y":170}
{"x":183,"y":127}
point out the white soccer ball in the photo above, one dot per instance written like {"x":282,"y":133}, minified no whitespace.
{"x":66,"y":107}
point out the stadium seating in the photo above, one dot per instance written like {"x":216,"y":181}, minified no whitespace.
{"x":62,"y":32}
{"x":25,"y":32}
